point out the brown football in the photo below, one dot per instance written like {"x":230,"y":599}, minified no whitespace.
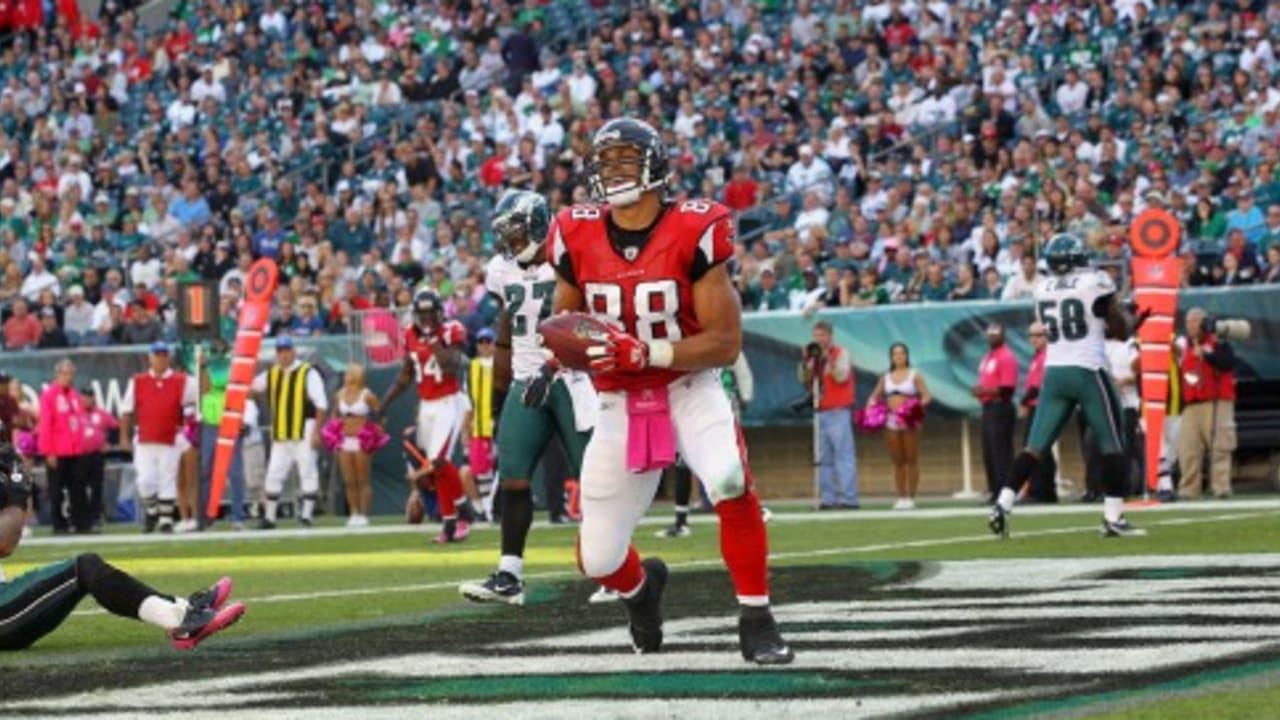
{"x":569,"y":335}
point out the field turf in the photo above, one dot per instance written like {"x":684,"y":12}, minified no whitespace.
{"x":333,"y":595}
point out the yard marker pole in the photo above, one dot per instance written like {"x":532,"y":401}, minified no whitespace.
{"x":260,"y":286}
{"x":1154,"y":238}
{"x":966,"y":473}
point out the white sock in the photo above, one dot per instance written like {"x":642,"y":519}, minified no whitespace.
{"x":270,"y":510}
{"x":754,"y":600}
{"x":308,"y":507}
{"x":1006,"y":498}
{"x":511,"y":564}
{"x":1164,"y":482}
{"x":1112,"y":508}
{"x":167,"y":614}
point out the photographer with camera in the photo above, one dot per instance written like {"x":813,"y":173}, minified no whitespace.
{"x":1206,"y":363}
{"x":828,"y":372}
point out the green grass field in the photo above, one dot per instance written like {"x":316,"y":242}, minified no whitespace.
{"x":302,"y":588}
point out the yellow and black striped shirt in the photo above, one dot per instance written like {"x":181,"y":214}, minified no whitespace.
{"x":290,"y":406}
{"x":480,"y":388}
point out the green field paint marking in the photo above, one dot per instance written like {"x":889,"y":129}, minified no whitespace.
{"x":1193,"y":682}
{"x":615,"y":685}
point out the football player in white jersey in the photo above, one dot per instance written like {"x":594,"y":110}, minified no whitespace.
{"x":1079,"y":308}
{"x":542,"y":399}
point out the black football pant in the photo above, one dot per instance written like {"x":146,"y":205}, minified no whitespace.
{"x":35,"y":603}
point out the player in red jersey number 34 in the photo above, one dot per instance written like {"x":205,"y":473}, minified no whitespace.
{"x":655,"y":271}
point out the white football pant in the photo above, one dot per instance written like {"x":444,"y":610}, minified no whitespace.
{"x":614,"y":499}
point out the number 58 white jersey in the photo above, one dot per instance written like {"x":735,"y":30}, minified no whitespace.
{"x":1065,"y":305}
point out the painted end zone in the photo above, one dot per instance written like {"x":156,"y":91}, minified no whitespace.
{"x":983,"y":638}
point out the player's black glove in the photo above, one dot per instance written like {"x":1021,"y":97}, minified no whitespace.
{"x":539,"y":388}
{"x":15,"y":486}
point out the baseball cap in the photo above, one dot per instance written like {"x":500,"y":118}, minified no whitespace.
{"x":284,"y":342}
{"x":160,"y":347}
{"x":486,"y":335}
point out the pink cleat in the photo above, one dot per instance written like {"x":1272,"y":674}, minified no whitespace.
{"x":201,"y":622}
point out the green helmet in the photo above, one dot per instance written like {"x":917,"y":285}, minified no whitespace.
{"x":521,"y":220}
{"x":1065,"y":253}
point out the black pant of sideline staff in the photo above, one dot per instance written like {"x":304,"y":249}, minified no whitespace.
{"x":998,"y":419}
{"x":68,"y":488}
{"x":93,"y":469}
{"x":555,"y":470}
{"x":1044,"y":479}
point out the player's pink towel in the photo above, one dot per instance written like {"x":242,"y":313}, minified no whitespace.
{"x":651,"y":437}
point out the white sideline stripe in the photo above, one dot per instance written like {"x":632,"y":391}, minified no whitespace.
{"x":865,"y":707}
{"x":825,"y":552}
{"x":709,"y":519}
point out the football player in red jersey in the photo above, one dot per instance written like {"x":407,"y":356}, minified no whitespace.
{"x":655,"y":270}
{"x":433,"y":355}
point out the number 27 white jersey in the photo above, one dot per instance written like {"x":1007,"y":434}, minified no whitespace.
{"x":1065,"y":306}
{"x":526,"y":295}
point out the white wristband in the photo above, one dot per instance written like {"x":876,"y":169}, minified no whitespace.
{"x":661,"y":353}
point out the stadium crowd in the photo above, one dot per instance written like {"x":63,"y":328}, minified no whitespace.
{"x":875,"y":152}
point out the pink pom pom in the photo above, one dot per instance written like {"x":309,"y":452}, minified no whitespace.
{"x":331,"y":434}
{"x":191,"y":431}
{"x":24,"y":441}
{"x":910,"y":414}
{"x":372,"y":437}
{"x":871,"y":418}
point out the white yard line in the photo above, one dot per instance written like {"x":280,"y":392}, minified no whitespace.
{"x":689,"y":564}
{"x":975,"y":511}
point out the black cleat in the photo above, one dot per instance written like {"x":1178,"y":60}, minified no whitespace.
{"x":502,"y":587}
{"x":265,"y":524}
{"x":1120,"y":528}
{"x":644,"y":611}
{"x":213,"y":597}
{"x":305,"y":522}
{"x":759,"y":638}
{"x":674,"y":531}
{"x":998,"y":521}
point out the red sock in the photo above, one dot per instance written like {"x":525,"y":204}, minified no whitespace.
{"x":627,"y":578}
{"x":575,"y":499}
{"x":448,"y":488}
{"x":745,"y":547}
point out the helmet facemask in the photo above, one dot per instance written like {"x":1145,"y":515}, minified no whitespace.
{"x":517,"y":241}
{"x":619,"y":178}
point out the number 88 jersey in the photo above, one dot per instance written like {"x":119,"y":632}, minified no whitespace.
{"x":645,"y":290}
{"x":1072,"y":309}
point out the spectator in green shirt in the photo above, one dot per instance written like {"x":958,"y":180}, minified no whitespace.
{"x":936,"y":287}
{"x":966,"y":287}
{"x":1208,"y":222}
{"x":870,"y":290}
{"x":766,"y":294}
{"x":1271,"y":229}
